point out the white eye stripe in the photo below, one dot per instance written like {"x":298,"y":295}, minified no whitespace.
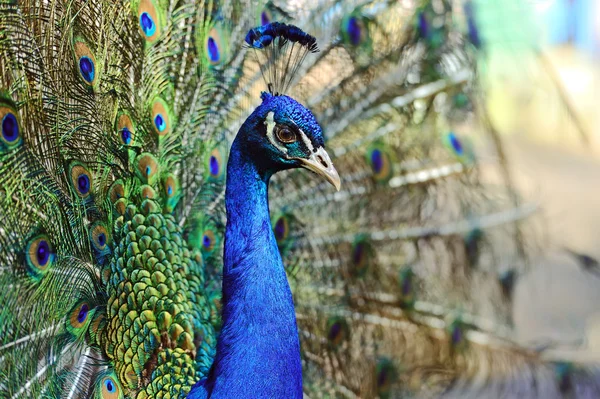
{"x":270,"y":122}
{"x":306,"y":141}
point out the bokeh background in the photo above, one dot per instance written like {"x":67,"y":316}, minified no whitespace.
{"x":543,"y":86}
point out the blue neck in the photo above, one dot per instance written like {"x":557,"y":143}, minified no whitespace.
{"x":258,"y":352}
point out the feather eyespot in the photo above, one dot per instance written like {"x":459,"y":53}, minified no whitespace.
{"x":99,"y":236}
{"x":148,"y":20}
{"x":455,"y":143}
{"x":125,"y":129}
{"x":358,"y":253}
{"x":83,"y":312}
{"x":117,"y":191}
{"x":208,"y":241}
{"x":11,"y":133}
{"x":354,"y":30}
{"x":456,"y":333}
{"x":215,"y":45}
{"x":147,"y":168}
{"x":81,"y":179}
{"x":281,"y":228}
{"x":161,"y":120}
{"x":83,"y":183}
{"x":285,"y":134}
{"x":40,"y":256}
{"x":214,"y":163}
{"x":86,"y":63}
{"x":10,"y":128}
{"x":86,"y":68}
{"x":376,"y":161}
{"x":110,"y":389}
{"x":337,"y":330}
{"x":147,"y":192}
{"x":283,"y":225}
{"x":461,"y":148}
{"x":147,"y":24}
{"x":507,"y":280}
{"x":406,"y":286}
{"x":355,"y":35}
{"x":207,"y":237}
{"x":80,"y":317}
{"x":107,"y":386}
{"x":381,"y":163}
{"x":126,"y":136}
{"x":212,"y":50}
{"x":407,"y":289}
{"x":385,"y":375}
{"x":268,"y":14}
{"x":361,"y":257}
{"x":172,"y":192}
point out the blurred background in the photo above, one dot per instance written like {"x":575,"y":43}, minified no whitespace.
{"x":543,"y":89}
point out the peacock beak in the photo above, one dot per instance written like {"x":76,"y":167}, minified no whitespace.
{"x":320,"y":163}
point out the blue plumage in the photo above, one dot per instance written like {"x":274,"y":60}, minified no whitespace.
{"x":258,"y":351}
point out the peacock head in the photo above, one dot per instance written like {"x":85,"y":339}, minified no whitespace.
{"x":283,"y":134}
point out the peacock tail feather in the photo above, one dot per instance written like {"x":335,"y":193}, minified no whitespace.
{"x":116,"y":123}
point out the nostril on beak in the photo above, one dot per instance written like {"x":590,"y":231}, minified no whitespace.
{"x":323,"y":162}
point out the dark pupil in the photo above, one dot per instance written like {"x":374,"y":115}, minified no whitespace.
{"x":159,"y":121}
{"x":334,"y":331}
{"x":213,"y":50}
{"x":126,"y":135}
{"x":83,"y":311}
{"x":109,"y":386}
{"x":382,"y":377}
{"x":423,"y":25}
{"x":206,"y":241}
{"x":214,"y":166}
{"x":83,"y":182}
{"x":354,"y":31}
{"x":280,"y":228}
{"x":43,"y":253}
{"x":407,"y":286}
{"x":147,"y":22}
{"x":456,"y":335}
{"x":456,"y":144}
{"x":377,"y":160}
{"x":102,"y":239}
{"x":358,"y":254}
{"x":87,"y":68}
{"x":286,"y":135}
{"x":10,"y":130}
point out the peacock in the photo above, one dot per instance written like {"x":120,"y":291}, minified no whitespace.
{"x":162,"y":235}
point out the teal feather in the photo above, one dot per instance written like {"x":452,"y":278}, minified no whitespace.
{"x":116,"y":121}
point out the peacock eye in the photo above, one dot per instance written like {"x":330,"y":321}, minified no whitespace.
{"x":285,"y":134}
